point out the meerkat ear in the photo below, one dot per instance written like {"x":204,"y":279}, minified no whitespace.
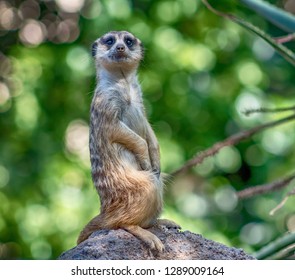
{"x":94,"y":49}
{"x":142,"y":49}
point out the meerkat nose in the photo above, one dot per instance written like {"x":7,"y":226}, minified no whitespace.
{"x":120,"y":48}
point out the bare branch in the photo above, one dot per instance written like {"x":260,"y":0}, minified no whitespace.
{"x":265,"y":188}
{"x":210,"y":8}
{"x":232,"y":140}
{"x":279,"y":206}
{"x":268,"y":110}
{"x":285,"y":39}
{"x":284,"y":254}
{"x":282,"y":203}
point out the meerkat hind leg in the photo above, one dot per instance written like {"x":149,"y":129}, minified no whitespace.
{"x":149,"y":238}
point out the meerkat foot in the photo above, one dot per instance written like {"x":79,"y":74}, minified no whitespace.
{"x":149,"y":238}
{"x":167,"y":223}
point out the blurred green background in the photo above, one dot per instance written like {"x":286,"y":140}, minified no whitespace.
{"x":199,"y":74}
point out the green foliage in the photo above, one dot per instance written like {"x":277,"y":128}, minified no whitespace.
{"x":200,"y":72}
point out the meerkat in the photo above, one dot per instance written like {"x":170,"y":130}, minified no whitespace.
{"x":124,"y":151}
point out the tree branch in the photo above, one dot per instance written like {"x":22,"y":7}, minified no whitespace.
{"x":285,"y":39}
{"x":265,"y":188}
{"x":282,"y":203}
{"x":284,"y":254}
{"x":219,"y":13}
{"x":232,"y":140}
{"x":268,"y":110}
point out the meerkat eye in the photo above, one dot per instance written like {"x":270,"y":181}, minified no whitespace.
{"x":110,"y":41}
{"x":129,"y":41}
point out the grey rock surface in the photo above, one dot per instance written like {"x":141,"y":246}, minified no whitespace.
{"x":121,"y":245}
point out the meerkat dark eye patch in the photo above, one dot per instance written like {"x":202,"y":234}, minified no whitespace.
{"x":94,"y":49}
{"x":109,"y":41}
{"x":129,"y":41}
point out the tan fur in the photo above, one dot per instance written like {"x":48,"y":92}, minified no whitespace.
{"x":124,"y":150}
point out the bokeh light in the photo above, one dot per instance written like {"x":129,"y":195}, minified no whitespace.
{"x":4,"y":97}
{"x":4,"y":176}
{"x":276,"y":142}
{"x":262,"y":50}
{"x":76,"y":140}
{"x":256,"y":233}
{"x":9,"y":18}
{"x":72,"y":6}
{"x":228,"y":159}
{"x":193,"y":205}
{"x":122,"y":13}
{"x":79,"y":60}
{"x":249,"y":73}
{"x":291,"y":223}
{"x":226,"y":199}
{"x":32,"y":33}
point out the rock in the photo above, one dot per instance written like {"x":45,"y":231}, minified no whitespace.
{"x":121,"y":245}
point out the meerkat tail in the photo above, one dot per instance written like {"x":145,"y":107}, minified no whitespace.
{"x":95,"y":224}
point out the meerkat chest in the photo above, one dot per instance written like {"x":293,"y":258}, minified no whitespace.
{"x":133,"y":113}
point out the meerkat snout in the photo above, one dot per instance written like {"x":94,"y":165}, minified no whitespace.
{"x":120,"y":48}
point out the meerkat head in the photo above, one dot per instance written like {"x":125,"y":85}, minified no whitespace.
{"x":117,"y":50}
